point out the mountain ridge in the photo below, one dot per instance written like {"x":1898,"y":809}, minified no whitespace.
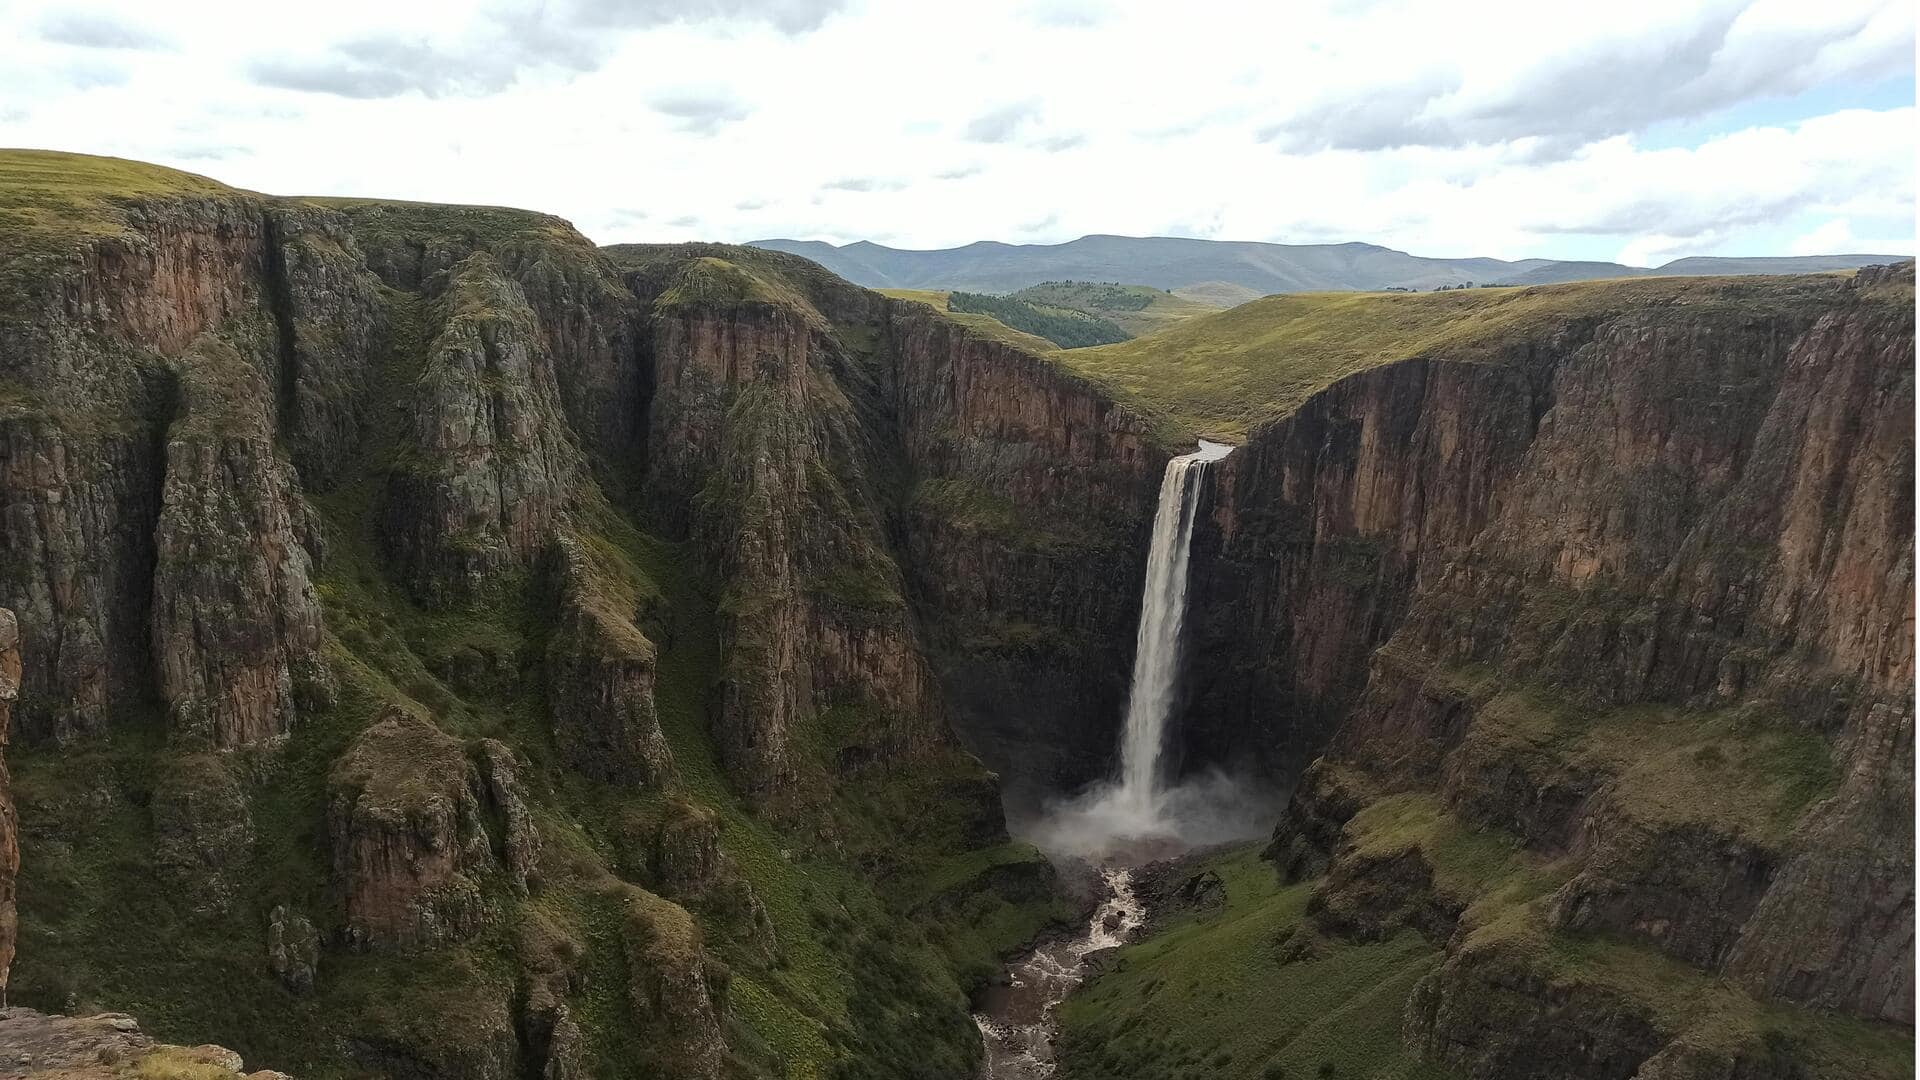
{"x":1171,"y":262}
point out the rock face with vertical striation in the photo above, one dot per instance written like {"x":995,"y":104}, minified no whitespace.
{"x":331,"y":326}
{"x":1026,"y":541}
{"x":236,"y":624}
{"x":768,"y":426}
{"x":485,"y":467}
{"x":677,"y":991}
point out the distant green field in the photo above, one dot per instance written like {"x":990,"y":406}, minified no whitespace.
{"x":1222,"y":374}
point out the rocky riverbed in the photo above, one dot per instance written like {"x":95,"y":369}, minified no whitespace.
{"x":1016,"y":1018}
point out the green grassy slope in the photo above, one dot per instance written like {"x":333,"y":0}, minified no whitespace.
{"x":1262,"y":986}
{"x":1217,"y":294}
{"x":1226,"y":373}
{"x":1213,"y":995}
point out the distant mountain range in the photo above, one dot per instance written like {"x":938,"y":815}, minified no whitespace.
{"x":1223,"y":267}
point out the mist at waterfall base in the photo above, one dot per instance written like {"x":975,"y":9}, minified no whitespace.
{"x":1136,"y":815}
{"x":1107,"y":823}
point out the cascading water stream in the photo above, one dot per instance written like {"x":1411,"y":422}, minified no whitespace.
{"x":1163,"y":610}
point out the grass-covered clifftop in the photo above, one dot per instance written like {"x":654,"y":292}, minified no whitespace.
{"x":1224,"y":374}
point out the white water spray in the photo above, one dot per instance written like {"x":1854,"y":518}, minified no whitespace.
{"x":1163,"y":610}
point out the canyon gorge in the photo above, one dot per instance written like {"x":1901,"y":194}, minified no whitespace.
{"x":443,"y":647}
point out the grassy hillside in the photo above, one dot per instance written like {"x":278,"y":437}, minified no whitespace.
{"x":1223,"y":374}
{"x":1217,"y":294}
{"x":1137,"y":309}
{"x":984,"y":324}
{"x":1254,"y":987}
{"x":1068,"y":328}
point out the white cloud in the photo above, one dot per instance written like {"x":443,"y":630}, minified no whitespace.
{"x":1833,"y":236}
{"x":1023,"y":120}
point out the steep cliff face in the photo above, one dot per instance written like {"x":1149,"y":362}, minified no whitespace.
{"x":1313,"y":539}
{"x":909,"y":512}
{"x":405,"y":587}
{"x":236,"y":625}
{"x":485,"y":466}
{"x":155,"y":374}
{"x":1636,"y":639}
{"x":1025,"y":540}
{"x":407,"y":838}
{"x":601,"y":675}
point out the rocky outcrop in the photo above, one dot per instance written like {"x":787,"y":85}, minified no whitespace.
{"x":9,"y":819}
{"x":600,"y":678}
{"x":1834,"y":928}
{"x":409,"y":843}
{"x":107,"y":1046}
{"x":1487,"y":1015}
{"x":519,"y":843}
{"x":293,"y":949}
{"x":1686,"y":889}
{"x":677,"y":991}
{"x":687,"y":864}
{"x":548,"y":958}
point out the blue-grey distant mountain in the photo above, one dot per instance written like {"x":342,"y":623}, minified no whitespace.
{"x":1171,"y":263}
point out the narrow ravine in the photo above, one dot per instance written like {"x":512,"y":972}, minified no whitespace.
{"x":1016,"y":1020}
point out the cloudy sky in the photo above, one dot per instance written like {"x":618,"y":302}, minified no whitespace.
{"x":1637,"y":131}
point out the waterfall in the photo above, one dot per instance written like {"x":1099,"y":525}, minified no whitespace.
{"x":1135,"y":816}
{"x":1163,"y":608}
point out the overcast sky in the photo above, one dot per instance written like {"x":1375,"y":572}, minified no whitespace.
{"x":1637,"y":131}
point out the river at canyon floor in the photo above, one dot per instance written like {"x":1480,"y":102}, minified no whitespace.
{"x":1016,"y":1019}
